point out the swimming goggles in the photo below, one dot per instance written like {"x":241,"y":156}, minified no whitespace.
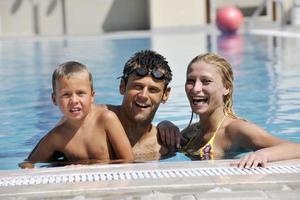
{"x":143,"y":71}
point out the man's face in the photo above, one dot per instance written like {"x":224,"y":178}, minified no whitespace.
{"x":142,"y":96}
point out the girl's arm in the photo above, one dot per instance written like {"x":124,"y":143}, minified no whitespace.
{"x":117,"y":136}
{"x":282,"y":151}
{"x":265,"y":146}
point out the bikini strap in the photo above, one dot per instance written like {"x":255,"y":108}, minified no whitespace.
{"x":193,"y":138}
{"x":219,"y":125}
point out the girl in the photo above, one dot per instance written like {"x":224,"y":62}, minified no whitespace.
{"x":219,"y":132}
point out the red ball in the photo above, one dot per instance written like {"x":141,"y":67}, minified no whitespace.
{"x":229,"y":19}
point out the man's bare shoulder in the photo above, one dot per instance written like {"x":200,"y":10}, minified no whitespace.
{"x":107,"y":107}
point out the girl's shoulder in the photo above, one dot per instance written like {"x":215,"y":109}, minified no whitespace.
{"x":236,"y":123}
{"x":241,"y":127}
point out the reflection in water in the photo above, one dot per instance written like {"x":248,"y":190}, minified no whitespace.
{"x":231,"y":47}
{"x":284,"y":72}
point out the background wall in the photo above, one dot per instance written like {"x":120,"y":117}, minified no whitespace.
{"x":92,"y":17}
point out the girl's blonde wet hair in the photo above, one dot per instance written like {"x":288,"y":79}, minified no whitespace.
{"x":226,"y":73}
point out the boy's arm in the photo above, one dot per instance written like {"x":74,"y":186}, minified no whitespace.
{"x":43,"y":151}
{"x":117,"y":136}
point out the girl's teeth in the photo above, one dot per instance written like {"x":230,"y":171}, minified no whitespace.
{"x":75,"y":109}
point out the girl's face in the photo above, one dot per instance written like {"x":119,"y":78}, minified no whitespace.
{"x":204,"y":88}
{"x":74,"y":96}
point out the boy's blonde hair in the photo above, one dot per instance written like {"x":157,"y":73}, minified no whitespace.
{"x":69,"y":69}
{"x":226,"y":73}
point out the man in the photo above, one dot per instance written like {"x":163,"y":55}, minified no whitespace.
{"x":144,"y":85}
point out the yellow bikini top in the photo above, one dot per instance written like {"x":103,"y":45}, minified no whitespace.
{"x":207,"y":151}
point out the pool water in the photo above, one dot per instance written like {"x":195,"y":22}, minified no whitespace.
{"x":266,"y":68}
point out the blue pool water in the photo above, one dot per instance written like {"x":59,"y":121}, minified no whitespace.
{"x":267,"y":84}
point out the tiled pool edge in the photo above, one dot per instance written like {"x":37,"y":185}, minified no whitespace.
{"x":114,"y":187}
{"x":125,"y":175}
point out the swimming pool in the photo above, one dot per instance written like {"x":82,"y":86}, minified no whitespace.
{"x":267,"y":86}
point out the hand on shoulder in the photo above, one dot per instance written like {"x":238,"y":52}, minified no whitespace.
{"x":169,"y":135}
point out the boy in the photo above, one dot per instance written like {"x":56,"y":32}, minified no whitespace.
{"x":87,"y":132}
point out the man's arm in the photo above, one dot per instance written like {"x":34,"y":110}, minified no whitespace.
{"x":169,"y":135}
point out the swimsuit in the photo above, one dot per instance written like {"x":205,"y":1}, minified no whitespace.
{"x":207,"y":151}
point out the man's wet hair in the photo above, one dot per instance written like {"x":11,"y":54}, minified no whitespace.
{"x":149,"y":59}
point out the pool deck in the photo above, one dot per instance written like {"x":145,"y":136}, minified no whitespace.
{"x":157,"y":180}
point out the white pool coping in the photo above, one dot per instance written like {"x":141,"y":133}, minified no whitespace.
{"x":149,"y":177}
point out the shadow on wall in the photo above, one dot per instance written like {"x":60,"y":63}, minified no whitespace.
{"x":127,"y":15}
{"x":72,"y":17}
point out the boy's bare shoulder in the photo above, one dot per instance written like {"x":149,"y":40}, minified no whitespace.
{"x":58,"y":131}
{"x":54,"y":136}
{"x":106,"y":116}
{"x":101,"y":107}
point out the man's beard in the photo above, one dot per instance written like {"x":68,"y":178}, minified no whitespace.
{"x":144,"y":120}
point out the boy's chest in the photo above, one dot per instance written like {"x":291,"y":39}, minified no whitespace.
{"x":88,"y":146}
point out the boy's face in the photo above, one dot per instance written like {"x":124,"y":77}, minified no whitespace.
{"x":73,"y":96}
{"x":142,"y":97}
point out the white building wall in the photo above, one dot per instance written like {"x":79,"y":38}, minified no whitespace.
{"x":177,"y":13}
{"x":86,"y":17}
{"x":16,"y":18}
{"x":50,"y":17}
{"x":92,"y":17}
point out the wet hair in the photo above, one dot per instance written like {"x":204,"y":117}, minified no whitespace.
{"x":149,"y":59}
{"x":69,"y":69}
{"x":226,"y":73}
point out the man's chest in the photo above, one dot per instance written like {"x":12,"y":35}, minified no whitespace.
{"x":148,"y":150}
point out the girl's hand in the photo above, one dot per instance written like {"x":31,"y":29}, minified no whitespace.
{"x":251,"y":160}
